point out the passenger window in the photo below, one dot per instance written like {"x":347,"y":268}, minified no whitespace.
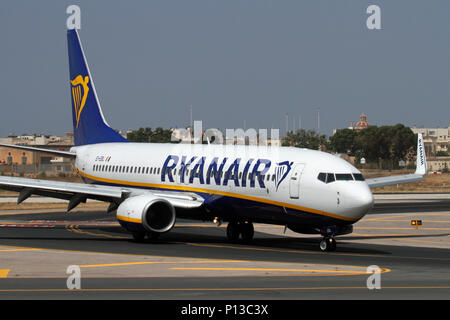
{"x":330,"y":177}
{"x":322,"y":177}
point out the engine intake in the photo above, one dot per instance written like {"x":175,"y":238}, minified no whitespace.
{"x":159,"y":216}
{"x":147,"y":211}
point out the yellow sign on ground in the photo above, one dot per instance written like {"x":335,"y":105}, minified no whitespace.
{"x":4,"y":273}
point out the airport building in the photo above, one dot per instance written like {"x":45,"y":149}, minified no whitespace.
{"x":29,"y":162}
{"x":436,"y":139}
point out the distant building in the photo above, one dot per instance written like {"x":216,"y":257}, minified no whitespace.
{"x":435,"y":139}
{"x":28,"y":159}
{"x":438,"y":164}
{"x":361,"y":124}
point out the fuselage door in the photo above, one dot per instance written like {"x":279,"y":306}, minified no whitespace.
{"x":294,"y":180}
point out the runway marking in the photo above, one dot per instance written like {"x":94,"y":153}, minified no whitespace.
{"x":407,"y":220}
{"x":104,"y":253}
{"x":280,"y":250}
{"x":22,"y":249}
{"x":424,"y":241}
{"x":403,"y":235}
{"x":309,"y":252}
{"x":346,"y":272}
{"x":74,"y":228}
{"x":4,"y":273}
{"x":155,"y":262}
{"x":390,"y":216}
{"x":400,"y":228}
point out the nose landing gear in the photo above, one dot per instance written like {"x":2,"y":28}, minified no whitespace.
{"x":328,"y":244}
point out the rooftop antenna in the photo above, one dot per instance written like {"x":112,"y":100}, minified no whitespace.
{"x":318,"y":120}
{"x":287,"y":123}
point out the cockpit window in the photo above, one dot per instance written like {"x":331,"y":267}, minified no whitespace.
{"x":322,"y":176}
{"x":344,"y":176}
{"x":330,"y":177}
{"x":358,"y":177}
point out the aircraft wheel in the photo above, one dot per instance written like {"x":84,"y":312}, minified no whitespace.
{"x":153,"y":235}
{"x":138,"y":236}
{"x":327,"y":244}
{"x":233,"y":231}
{"x":247,"y":231}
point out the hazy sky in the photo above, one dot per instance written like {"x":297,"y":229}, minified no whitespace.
{"x":233,"y":61}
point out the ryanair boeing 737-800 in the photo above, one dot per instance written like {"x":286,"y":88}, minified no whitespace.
{"x":150,"y":184}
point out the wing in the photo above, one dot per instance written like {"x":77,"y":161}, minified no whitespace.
{"x":421,"y":170}
{"x":387,"y":181}
{"x":77,"y":193}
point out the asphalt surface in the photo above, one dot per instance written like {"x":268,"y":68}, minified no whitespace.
{"x":408,"y":272}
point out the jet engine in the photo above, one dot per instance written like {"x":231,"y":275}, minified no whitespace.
{"x":148,"y":212}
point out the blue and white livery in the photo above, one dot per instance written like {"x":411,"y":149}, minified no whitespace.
{"x":149,"y":185}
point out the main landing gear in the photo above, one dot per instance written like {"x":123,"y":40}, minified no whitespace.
{"x":140,"y":236}
{"x":243,"y":229}
{"x":327,"y":244}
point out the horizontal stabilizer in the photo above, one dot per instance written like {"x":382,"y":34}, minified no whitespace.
{"x":60,"y":153}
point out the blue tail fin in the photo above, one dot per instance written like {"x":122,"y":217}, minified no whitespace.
{"x":89,"y":125}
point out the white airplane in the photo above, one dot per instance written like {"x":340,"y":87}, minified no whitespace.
{"x":150,"y":184}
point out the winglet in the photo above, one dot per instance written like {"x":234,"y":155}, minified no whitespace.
{"x":421,"y":162}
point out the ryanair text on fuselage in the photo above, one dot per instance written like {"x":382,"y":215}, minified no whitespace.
{"x":192,"y":168}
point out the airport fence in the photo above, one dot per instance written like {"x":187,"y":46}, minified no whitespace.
{"x":35,"y":169}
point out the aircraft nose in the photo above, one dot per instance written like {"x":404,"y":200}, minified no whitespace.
{"x":360,"y":201}
{"x":364,"y":200}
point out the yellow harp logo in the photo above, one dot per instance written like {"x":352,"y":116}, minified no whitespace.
{"x":80,"y":91}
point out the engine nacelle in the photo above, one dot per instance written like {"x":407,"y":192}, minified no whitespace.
{"x":146,"y":212}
